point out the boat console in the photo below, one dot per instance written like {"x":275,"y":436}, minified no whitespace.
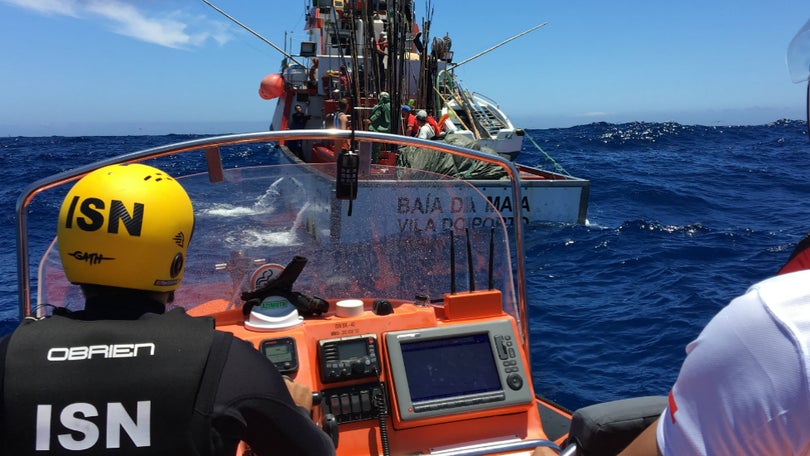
{"x":432,"y":377}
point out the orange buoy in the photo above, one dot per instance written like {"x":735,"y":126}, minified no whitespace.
{"x":272,"y":86}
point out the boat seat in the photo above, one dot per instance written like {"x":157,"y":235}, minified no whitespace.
{"x":607,"y":428}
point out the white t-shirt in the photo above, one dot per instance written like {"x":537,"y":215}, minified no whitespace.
{"x":744,"y":387}
{"x":426,"y":132}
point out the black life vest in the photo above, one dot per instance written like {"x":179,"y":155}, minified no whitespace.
{"x":125,"y":387}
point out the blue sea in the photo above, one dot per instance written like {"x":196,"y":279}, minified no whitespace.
{"x":681,"y":219}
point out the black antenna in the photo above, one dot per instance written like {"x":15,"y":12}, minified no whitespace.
{"x":470,"y":261}
{"x":452,"y":263}
{"x":491,"y":252}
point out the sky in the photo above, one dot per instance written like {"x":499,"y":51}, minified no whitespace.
{"x":132,"y":67}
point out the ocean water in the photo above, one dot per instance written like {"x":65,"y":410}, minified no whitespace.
{"x":681,"y":220}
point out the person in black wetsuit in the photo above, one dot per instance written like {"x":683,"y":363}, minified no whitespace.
{"x":123,"y":377}
{"x":298,"y":121}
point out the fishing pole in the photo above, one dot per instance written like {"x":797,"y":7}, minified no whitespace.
{"x":452,"y":67}
{"x":257,"y":35}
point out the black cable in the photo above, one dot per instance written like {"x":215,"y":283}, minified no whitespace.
{"x":382,"y":413}
{"x":471,"y":271}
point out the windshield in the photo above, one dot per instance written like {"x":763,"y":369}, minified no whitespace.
{"x":798,"y":55}
{"x":408,"y":233}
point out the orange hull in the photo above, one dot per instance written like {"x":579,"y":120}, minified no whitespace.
{"x":322,"y":154}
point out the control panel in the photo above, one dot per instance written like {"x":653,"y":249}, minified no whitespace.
{"x":355,"y":403}
{"x":348,"y":358}
{"x":281,"y":352}
{"x":509,"y":360}
{"x":442,"y":371}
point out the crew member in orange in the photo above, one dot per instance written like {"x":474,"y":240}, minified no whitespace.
{"x":409,"y":125}
{"x":433,"y":124}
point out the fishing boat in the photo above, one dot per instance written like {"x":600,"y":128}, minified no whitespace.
{"x":339,"y":60}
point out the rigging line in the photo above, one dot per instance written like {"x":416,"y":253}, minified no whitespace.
{"x":336,"y":28}
{"x":352,"y":89}
{"x":460,"y":96}
{"x":460,"y":120}
{"x":557,"y":166}
{"x":395,"y":76}
{"x":490,"y":278}
{"x":354,"y":85}
{"x":257,"y":35}
{"x":470,"y":269}
{"x":452,"y":263}
{"x":496,"y":46}
{"x":427,"y":58}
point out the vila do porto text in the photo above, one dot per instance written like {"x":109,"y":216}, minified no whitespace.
{"x":440,"y":212}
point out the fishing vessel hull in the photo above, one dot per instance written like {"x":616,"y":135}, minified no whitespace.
{"x":546,"y":197}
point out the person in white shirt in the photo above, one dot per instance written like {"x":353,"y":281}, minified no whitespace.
{"x":744,"y":387}
{"x":425,"y":130}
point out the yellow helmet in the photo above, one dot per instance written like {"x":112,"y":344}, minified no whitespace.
{"x":126,"y":226}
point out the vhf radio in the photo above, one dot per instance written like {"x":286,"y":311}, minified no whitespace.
{"x":348,"y":358}
{"x":348,"y":164}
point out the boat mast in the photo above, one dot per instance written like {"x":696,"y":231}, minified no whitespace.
{"x":427,"y":62}
{"x":396,"y":56}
